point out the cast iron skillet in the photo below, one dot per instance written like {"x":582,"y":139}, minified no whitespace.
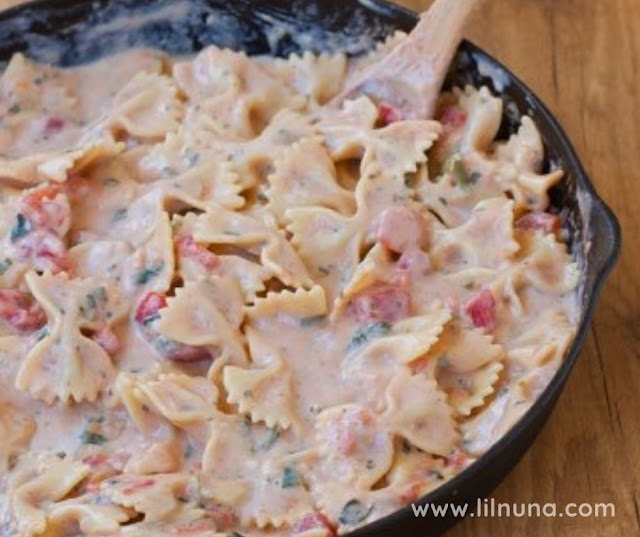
{"x":70,"y":32}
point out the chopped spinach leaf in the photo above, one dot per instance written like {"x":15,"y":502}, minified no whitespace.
{"x":120,"y":214}
{"x":353,"y":513}
{"x":15,"y":109}
{"x":5,"y":265}
{"x":269,"y":438}
{"x":89,"y":437}
{"x":147,"y":274}
{"x":367,"y":333}
{"x":21,"y":228}
{"x":290,"y":478}
{"x":313,"y":320}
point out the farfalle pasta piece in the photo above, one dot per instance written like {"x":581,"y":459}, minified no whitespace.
{"x":236,"y":96}
{"x":484,"y":240}
{"x":305,"y":176}
{"x":414,"y":473}
{"x":544,"y":343}
{"x":221,"y":226}
{"x":355,"y":450}
{"x":394,"y":150}
{"x":467,"y":366}
{"x":126,"y":393}
{"x":157,"y":497}
{"x":266,"y":488}
{"x":318,"y":77}
{"x":180,"y":399}
{"x":547,"y":265}
{"x":418,"y":411}
{"x":147,"y":106}
{"x":487,"y":426}
{"x":66,"y":364}
{"x":90,"y":518}
{"x":206,"y":313}
{"x":328,"y":243}
{"x":151,"y":266}
{"x":190,"y":174}
{"x":52,"y":481}
{"x":300,"y":303}
{"x":265,"y":393}
{"x":58,"y":167}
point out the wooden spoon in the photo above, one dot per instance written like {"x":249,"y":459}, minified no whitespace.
{"x":409,"y":78}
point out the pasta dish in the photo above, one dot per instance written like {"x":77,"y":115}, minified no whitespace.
{"x":227,"y":308}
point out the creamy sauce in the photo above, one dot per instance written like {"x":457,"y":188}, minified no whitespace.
{"x":227,"y":307}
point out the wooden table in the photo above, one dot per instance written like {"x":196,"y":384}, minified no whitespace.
{"x":582,"y":57}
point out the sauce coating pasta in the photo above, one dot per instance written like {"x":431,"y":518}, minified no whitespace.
{"x":226,"y":307}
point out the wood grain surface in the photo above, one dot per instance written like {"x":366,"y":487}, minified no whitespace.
{"x":582,"y":57}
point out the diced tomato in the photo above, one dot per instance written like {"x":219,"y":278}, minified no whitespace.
{"x":314,"y":520}
{"x":196,"y":526}
{"x":107,"y":339}
{"x":381,"y":302}
{"x":188,"y":247}
{"x":399,"y":228}
{"x":149,"y":306}
{"x":481,"y":308}
{"x":539,"y":221}
{"x":137,"y":486}
{"x":457,"y":459}
{"x":54,"y":124}
{"x":42,"y":207}
{"x":412,"y":492}
{"x":452,"y":118}
{"x":21,"y":311}
{"x":224,"y":517}
{"x":58,"y":261}
{"x":387,"y":114}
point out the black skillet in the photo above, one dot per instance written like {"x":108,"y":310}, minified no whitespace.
{"x":70,"y":32}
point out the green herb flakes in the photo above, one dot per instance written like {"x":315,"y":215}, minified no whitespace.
{"x":146,"y":275}
{"x":367,"y":333}
{"x":353,"y":513}
{"x":5,"y":265}
{"x":305,"y":322}
{"x":89,"y":437}
{"x":290,"y":477}
{"x":21,"y":228}
{"x":120,"y":215}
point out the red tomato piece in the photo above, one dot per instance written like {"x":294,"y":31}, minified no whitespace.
{"x":387,"y":114}
{"x":54,"y":124}
{"x":137,"y":486}
{"x":539,"y":221}
{"x":149,"y":306}
{"x":452,"y":118}
{"x":188,"y":247}
{"x":381,"y":302}
{"x":43,"y":208}
{"x":224,"y":517}
{"x":481,"y":308}
{"x":314,"y":520}
{"x":21,"y":311}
